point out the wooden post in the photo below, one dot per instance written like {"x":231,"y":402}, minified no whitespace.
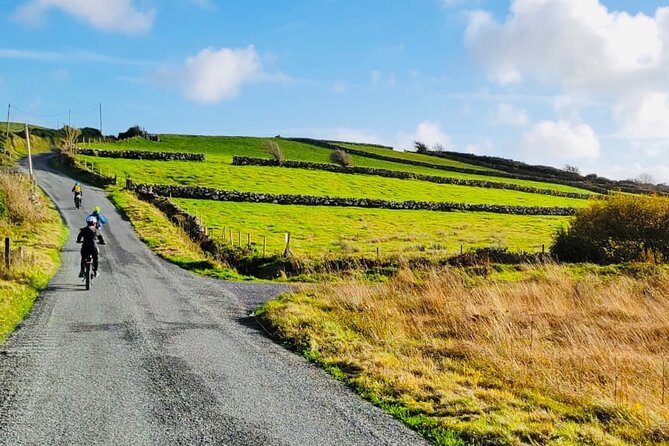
{"x":30,"y":158}
{"x":21,"y":254}
{"x":223,"y":233}
{"x":264,"y":246}
{"x":8,"y":254}
{"x":287,"y":252}
{"x":460,"y":248}
{"x":543,"y":248}
{"x":232,"y":242}
{"x":240,"y":238}
{"x":248,"y":240}
{"x":378,"y":253}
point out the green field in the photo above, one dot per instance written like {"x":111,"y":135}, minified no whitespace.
{"x":221,"y":149}
{"x":319,"y":230}
{"x":277,"y":180}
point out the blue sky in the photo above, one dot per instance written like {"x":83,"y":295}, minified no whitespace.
{"x":578,"y":82}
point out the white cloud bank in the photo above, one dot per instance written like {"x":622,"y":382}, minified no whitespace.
{"x":561,"y":140}
{"x":588,"y":51}
{"x":107,"y":15}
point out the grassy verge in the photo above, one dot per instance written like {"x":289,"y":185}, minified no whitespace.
{"x":37,"y":234}
{"x":166,"y":239}
{"x":549,"y":359}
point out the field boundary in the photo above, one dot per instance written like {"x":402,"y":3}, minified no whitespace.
{"x":499,"y":174}
{"x":205,"y":193}
{"x":142,"y":155}
{"x":399,"y":174}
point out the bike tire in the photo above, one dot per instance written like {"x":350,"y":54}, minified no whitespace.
{"x":88,"y":277}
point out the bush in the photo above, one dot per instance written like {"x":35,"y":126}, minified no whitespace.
{"x":341,"y":158}
{"x":273,"y":149}
{"x":133,"y":132}
{"x":622,"y":228}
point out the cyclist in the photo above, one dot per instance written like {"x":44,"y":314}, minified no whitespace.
{"x":89,"y":237}
{"x":100,"y":220}
{"x":78,"y":194}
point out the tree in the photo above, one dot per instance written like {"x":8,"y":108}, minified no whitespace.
{"x":69,"y":141}
{"x":571,"y":169}
{"x":273,"y":149}
{"x":420,"y":147}
{"x":645,"y":178}
{"x":438,"y":147}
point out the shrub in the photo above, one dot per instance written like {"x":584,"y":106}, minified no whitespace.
{"x":133,"y":132}
{"x":341,"y":158}
{"x":621,"y":228}
{"x":273,"y":149}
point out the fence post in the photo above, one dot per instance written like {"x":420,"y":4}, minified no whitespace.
{"x":8,"y":254}
{"x":543,"y":248}
{"x":378,"y":253}
{"x":460,"y":248}
{"x":287,"y":252}
{"x":240,"y":238}
{"x":232,"y":242}
{"x":224,"y":233}
{"x":248,"y":240}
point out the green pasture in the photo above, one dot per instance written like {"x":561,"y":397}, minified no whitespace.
{"x":279,"y":180}
{"x":221,"y":149}
{"x":321,"y":230}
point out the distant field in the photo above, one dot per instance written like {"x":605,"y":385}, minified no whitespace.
{"x":221,"y":149}
{"x":276,"y":180}
{"x":320,"y":230}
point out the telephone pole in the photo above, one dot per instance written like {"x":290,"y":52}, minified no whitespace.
{"x":9,"y":107}
{"x":100,"y":118}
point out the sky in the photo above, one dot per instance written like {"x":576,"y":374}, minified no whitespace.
{"x":583,"y":83}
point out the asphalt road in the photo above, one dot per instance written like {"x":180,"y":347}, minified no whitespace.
{"x":154,"y":355}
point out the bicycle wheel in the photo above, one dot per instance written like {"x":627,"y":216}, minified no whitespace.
{"x":87,"y":274}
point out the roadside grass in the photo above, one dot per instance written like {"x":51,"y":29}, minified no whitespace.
{"x":321,"y":230}
{"x":549,"y":359}
{"x":34,"y":226}
{"x":221,"y":149}
{"x":277,"y":180}
{"x":167,"y":240}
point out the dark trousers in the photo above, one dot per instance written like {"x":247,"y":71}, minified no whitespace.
{"x":84,"y":254}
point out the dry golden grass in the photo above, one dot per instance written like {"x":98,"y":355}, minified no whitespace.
{"x":36,"y":233}
{"x":548,"y":360}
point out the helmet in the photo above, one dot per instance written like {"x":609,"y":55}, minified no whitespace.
{"x":97,"y":209}
{"x":90,"y":220}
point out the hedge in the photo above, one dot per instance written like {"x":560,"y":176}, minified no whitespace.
{"x":248,"y":161}
{"x":143,"y":155}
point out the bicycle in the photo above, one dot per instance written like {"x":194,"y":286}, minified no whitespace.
{"x":88,"y":271}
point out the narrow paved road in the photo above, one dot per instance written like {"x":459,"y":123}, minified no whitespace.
{"x":154,"y":355}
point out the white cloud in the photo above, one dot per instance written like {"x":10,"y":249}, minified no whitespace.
{"x":507,"y":114}
{"x":574,"y":42}
{"x":561,"y":140}
{"x":214,"y":75}
{"x":427,"y":132}
{"x":108,"y":15}
{"x":659,"y":172}
{"x":78,"y":56}
{"x":644,"y":116}
{"x":616,"y":57}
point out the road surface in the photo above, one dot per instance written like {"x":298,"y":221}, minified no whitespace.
{"x":154,"y":355}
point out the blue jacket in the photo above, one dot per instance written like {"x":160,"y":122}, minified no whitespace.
{"x":101,"y":219}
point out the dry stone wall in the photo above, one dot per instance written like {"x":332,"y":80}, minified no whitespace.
{"x":143,"y":155}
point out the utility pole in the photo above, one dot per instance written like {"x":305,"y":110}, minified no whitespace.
{"x":30,"y":158}
{"x":9,"y":107}
{"x":100,"y":118}
{"x":69,"y":117}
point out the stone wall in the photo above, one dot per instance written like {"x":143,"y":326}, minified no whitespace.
{"x":143,"y":155}
{"x":247,"y":161}
{"x":204,"y":193}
